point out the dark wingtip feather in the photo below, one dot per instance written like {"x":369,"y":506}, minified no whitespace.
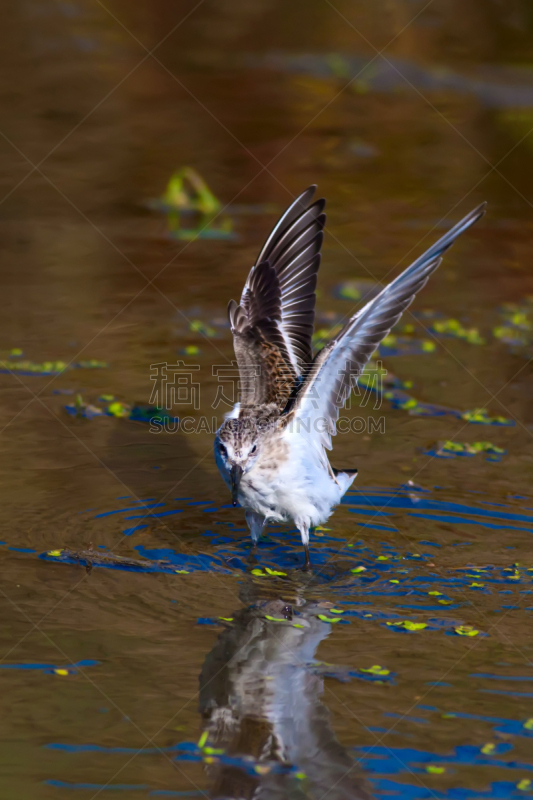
{"x":291,"y":248}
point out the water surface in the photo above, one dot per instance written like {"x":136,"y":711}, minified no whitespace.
{"x":182,"y":668}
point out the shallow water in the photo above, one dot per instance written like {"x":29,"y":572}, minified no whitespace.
{"x":143,"y":651}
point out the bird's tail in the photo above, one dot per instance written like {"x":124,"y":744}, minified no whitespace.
{"x":345,"y":478}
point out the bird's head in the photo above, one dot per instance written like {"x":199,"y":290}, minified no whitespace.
{"x":237,"y":447}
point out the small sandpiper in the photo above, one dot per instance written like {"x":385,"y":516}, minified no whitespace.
{"x":271,"y":449}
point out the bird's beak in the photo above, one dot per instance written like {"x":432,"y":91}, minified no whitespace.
{"x":236,"y":475}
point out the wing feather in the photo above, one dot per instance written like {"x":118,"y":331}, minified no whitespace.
{"x":329,"y":382}
{"x":293,"y":249}
{"x":273,"y":324}
{"x":265,"y":372}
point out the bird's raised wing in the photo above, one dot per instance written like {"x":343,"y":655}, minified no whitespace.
{"x":273,"y":324}
{"x":335,"y":369}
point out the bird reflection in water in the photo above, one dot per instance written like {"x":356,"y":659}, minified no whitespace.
{"x":260,"y":700}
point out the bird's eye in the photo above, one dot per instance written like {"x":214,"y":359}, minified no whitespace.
{"x":254,"y":448}
{"x":223,"y":450}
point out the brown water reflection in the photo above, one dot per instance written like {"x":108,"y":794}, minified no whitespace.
{"x":262,"y":99}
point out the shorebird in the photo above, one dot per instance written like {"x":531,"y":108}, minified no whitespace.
{"x":271,"y":448}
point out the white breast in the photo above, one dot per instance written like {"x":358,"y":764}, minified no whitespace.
{"x":296,"y":487}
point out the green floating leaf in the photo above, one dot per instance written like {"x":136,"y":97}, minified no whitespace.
{"x":348,"y":292}
{"x":275,"y":619}
{"x":324,"y":618}
{"x":481,"y":416}
{"x":46,"y":367}
{"x":117,"y":409}
{"x":470,"y":449}
{"x":517,"y":328}
{"x":452,"y":327}
{"x":435,"y":770}
{"x":197,"y":326}
{"x":528,"y":724}
{"x":524,"y":785}
{"x":466,"y":630}
{"x":191,"y":208}
{"x":187,"y":191}
{"x":407,"y":625}
{"x":274,"y":572}
{"x":358,"y":569}
{"x":406,"y":405}
{"x":405,"y":345}
{"x":355,"y":290}
{"x":203,"y":739}
{"x":226,"y":619}
{"x":488,"y":749}
{"x":376,"y":670}
{"x":486,"y":447}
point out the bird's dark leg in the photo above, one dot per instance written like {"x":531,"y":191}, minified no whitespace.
{"x":252,"y":555}
{"x":307,"y":565}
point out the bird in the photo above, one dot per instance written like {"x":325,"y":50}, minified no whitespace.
{"x":271,"y":449}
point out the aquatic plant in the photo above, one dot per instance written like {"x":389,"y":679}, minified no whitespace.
{"x":399,"y":399}
{"x":27,"y":367}
{"x":450,"y":449}
{"x":187,"y":196}
{"x":111,"y":407}
{"x":516,"y":328}
{"x":188,"y":191}
{"x":453,"y":328}
{"x":393,"y":345}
